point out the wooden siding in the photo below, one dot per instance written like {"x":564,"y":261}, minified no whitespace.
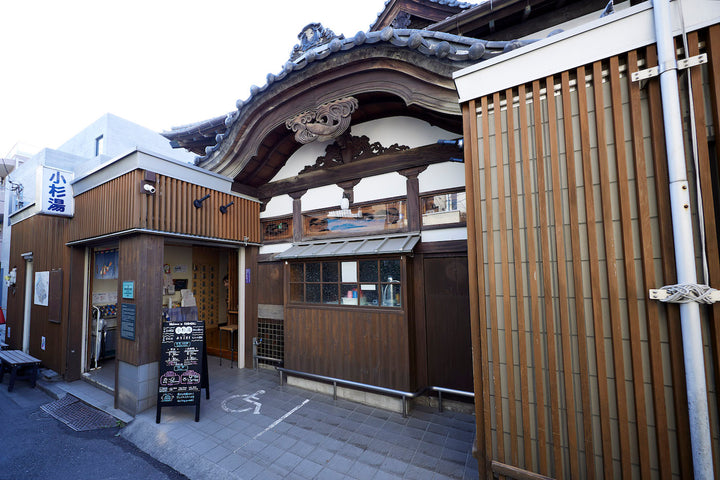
{"x":367,"y":346}
{"x":140,"y":254}
{"x":577,"y":373}
{"x":45,"y":237}
{"x":120,"y":205}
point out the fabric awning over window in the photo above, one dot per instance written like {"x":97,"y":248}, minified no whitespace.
{"x":337,"y":247}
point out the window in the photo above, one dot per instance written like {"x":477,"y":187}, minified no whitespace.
{"x":380,"y":217}
{"x":279,"y":229}
{"x":370,"y":283}
{"x":443,"y":208}
{"x":99,"y":146}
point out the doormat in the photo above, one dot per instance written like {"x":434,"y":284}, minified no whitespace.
{"x":78,"y":415}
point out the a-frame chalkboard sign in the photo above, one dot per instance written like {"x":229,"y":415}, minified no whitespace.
{"x":183,"y":368}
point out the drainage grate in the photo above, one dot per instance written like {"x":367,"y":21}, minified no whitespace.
{"x":78,"y":415}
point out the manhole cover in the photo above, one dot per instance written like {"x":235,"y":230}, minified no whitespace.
{"x":78,"y":415}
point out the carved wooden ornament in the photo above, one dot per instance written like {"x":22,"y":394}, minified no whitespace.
{"x":328,"y":121}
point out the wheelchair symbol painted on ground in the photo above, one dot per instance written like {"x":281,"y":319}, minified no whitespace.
{"x":252,"y":399}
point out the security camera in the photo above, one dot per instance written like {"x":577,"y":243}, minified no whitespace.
{"x":149,"y":189}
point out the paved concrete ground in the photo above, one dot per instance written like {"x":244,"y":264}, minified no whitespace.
{"x":253,"y":428}
{"x":36,"y":446}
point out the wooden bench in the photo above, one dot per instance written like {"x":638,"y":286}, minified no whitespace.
{"x":15,"y":362}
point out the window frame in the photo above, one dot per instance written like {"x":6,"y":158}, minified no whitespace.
{"x":399,"y":298}
{"x":424,"y":195}
{"x":266,"y":221}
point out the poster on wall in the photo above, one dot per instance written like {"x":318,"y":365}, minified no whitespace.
{"x":106,"y":264}
{"x":42,"y":288}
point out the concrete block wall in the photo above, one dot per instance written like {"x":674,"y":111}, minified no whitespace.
{"x":136,"y":387}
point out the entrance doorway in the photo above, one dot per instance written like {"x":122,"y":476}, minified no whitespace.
{"x":103,"y":323}
{"x":447,"y":310}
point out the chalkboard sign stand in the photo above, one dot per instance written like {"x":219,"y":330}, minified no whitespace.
{"x":183,"y":367}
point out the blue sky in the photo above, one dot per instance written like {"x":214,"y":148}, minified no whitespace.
{"x":158,"y":63}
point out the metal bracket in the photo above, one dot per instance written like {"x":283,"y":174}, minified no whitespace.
{"x":685,"y":293}
{"x":681,"y":64}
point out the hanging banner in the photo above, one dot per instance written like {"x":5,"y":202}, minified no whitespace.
{"x":56,"y":192}
{"x":106,"y":264}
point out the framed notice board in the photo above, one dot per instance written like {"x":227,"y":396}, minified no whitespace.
{"x":183,"y":365}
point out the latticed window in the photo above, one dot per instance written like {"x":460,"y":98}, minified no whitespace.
{"x":370,"y":283}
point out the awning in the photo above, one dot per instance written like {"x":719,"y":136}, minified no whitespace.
{"x":344,"y":247}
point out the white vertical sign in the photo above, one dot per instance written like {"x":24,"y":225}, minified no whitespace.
{"x":56,"y":192}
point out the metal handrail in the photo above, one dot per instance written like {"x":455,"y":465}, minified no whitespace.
{"x":388,"y":391}
{"x":441,"y":390}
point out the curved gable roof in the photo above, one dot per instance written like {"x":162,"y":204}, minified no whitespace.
{"x":390,"y":72}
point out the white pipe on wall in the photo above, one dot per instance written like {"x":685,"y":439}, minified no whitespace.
{"x":241,"y":308}
{"x":28,"y":304}
{"x":683,"y":242}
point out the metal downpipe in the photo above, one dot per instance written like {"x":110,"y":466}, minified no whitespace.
{"x":683,"y":243}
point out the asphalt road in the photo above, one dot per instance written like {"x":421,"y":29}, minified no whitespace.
{"x":36,"y":446}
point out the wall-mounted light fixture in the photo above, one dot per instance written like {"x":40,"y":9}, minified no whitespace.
{"x":197,"y":203}
{"x":223,"y":208}
{"x":458,"y":142}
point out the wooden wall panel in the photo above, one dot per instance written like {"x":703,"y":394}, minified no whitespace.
{"x":270,"y":283}
{"x":568,"y":213}
{"x":45,"y":237}
{"x":364,"y":346}
{"x":140,"y":256}
{"x":75,"y":314}
{"x":120,"y":205}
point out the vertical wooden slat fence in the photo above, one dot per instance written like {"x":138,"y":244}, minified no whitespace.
{"x":577,"y":373}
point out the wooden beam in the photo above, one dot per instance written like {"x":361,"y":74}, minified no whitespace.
{"x":379,"y":165}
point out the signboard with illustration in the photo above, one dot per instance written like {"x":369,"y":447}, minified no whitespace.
{"x":181,"y":368}
{"x":56,"y":194}
{"x":42,"y":288}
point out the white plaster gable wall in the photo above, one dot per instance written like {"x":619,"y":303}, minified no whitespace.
{"x":277,"y":207}
{"x":322,"y":197}
{"x":441,"y":176}
{"x":304,"y":156}
{"x":407,"y":131}
{"x":403,"y":131}
{"x":380,"y":186}
{"x":388,"y":131}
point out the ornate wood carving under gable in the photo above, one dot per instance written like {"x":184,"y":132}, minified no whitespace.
{"x":349,"y":148}
{"x":329,"y":120}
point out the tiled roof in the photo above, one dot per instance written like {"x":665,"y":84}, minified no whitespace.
{"x":438,"y":44}
{"x":449,"y":3}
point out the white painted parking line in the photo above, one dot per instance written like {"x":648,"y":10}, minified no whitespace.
{"x":274,"y":424}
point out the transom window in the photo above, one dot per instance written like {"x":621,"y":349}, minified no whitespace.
{"x":376,"y":218}
{"x":278,"y":229}
{"x":443,"y":208}
{"x":372,"y":282}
